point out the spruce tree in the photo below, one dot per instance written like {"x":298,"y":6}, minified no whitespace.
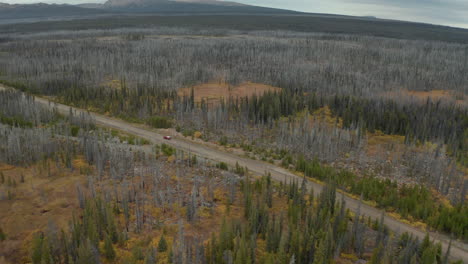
{"x":46,"y":257}
{"x":377,"y":255}
{"x":87,"y":254}
{"x":162,"y":244}
{"x":109,"y":251}
{"x":36,"y":252}
{"x":429,"y":255}
{"x":2,"y":235}
{"x":65,"y":247}
{"x":321,"y":256}
{"x":137,"y":253}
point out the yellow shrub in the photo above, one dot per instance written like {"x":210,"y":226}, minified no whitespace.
{"x":197,"y":134}
{"x":351,"y":257}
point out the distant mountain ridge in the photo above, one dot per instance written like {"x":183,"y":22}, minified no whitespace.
{"x":50,"y":11}
{"x":42,"y":10}
{"x":120,"y":3}
{"x":212,"y":2}
{"x":187,"y":6}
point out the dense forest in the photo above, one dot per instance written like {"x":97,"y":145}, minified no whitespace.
{"x":70,"y":64}
{"x":348,"y":111}
{"x":217,"y":24}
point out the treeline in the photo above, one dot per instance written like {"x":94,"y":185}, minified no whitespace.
{"x":81,"y":244}
{"x":414,"y":202}
{"x":308,"y":230}
{"x":30,"y":132}
{"x":18,"y":109}
{"x":353,"y":65}
{"x":141,"y":103}
{"x":433,"y":121}
{"x":25,"y":146}
{"x":301,"y":125}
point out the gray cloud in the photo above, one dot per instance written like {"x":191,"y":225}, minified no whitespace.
{"x":447,"y":12}
{"x":444,"y":12}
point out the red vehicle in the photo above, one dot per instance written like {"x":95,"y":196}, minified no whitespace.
{"x":167,"y":137}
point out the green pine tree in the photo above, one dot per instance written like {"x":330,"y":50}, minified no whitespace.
{"x":425,"y":244}
{"x":322,"y":255}
{"x":111,"y":227}
{"x":36,"y":252}
{"x":429,"y":255}
{"x":162,"y":244}
{"x":2,"y":235}
{"x":109,"y":251}
{"x":170,"y":256}
{"x":46,"y":257}
{"x":86,"y":254}
{"x":377,"y":255}
{"x":137,"y":253}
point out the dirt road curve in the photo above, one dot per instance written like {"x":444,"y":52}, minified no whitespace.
{"x":459,"y":250}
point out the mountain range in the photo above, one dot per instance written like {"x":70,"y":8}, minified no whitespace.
{"x":50,"y":11}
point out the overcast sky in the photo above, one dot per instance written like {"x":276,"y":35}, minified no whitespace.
{"x":444,"y":12}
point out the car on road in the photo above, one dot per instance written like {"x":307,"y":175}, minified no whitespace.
{"x":167,"y":137}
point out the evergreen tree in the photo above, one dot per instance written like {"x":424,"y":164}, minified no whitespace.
{"x":162,"y":244}
{"x":109,"y":251}
{"x":2,"y":235}
{"x":46,"y":257}
{"x":321,"y":255}
{"x":425,"y":244}
{"x":150,"y":257}
{"x":110,"y":223}
{"x":87,"y":254}
{"x":429,"y":255}
{"x":36,"y":252}
{"x":377,"y":254}
{"x":137,"y":253}
{"x":65,"y":247}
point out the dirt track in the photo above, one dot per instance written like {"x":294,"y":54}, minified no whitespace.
{"x":459,"y":250}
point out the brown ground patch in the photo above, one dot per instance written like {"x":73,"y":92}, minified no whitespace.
{"x":325,"y":116}
{"x":379,"y":143}
{"x":436,"y":95}
{"x":445,"y":95}
{"x":43,"y":198}
{"x":215,"y":91}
